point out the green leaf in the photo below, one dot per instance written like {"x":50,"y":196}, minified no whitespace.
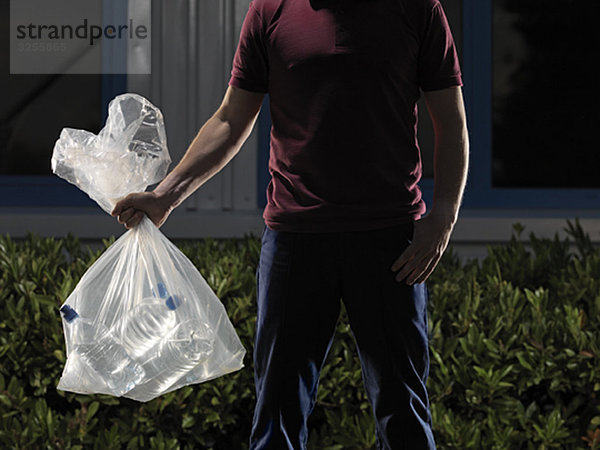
{"x":92,"y":410}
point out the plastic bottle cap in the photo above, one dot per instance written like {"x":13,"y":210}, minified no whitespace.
{"x":173,"y":302}
{"x":69,"y":313}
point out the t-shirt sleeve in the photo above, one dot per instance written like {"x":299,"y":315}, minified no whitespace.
{"x":250,"y":69}
{"x":438,"y":61}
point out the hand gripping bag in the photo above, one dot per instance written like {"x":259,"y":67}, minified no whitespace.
{"x":141,"y":321}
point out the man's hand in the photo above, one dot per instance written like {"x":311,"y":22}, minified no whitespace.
{"x":130,"y":211}
{"x":430,"y":240}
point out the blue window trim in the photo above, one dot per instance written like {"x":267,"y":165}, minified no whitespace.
{"x":49,"y":190}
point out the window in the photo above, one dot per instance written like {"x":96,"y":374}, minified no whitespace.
{"x":544,"y":108}
{"x":529,"y":150}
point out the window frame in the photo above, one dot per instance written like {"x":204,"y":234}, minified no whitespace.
{"x":477,"y":67}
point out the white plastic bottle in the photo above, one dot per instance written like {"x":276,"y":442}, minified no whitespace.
{"x":146,"y":324}
{"x":190,"y":343}
{"x":98,"y":349}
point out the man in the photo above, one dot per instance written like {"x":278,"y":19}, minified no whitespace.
{"x":343,"y":219}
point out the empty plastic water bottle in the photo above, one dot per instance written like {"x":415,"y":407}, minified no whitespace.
{"x":190,"y":343}
{"x":98,"y":349}
{"x":150,"y":321}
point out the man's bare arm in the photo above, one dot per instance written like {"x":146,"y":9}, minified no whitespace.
{"x":217,"y":142}
{"x":451,"y":158}
{"x":432,"y":233}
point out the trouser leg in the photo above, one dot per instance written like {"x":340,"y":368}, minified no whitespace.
{"x":298,"y":297}
{"x":389,"y":322}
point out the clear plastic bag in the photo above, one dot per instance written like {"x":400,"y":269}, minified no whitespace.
{"x":128,"y":155}
{"x":142,"y":321}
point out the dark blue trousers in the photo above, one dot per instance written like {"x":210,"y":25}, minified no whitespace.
{"x":300,"y":281}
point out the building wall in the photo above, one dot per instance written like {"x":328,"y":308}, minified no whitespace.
{"x":193,"y":42}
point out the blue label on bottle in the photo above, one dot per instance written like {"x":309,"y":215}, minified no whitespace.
{"x":173,"y":302}
{"x":162,"y":290}
{"x":68,"y":313}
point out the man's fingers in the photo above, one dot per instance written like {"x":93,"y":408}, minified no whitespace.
{"x":419,"y":270}
{"x":125,"y":215}
{"x":409,"y":274}
{"x":119,"y":208}
{"x":130,"y":217}
{"x":134,"y":220}
{"x":406,"y":256}
{"x":419,"y":274}
{"x":406,"y":270}
{"x":123,"y":204}
{"x":410,"y":267}
{"x":428,"y":270}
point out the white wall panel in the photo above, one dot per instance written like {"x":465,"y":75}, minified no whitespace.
{"x":193,"y":43}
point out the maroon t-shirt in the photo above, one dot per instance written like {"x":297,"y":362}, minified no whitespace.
{"x":343,"y":79}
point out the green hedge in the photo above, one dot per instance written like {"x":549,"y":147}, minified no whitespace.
{"x":515,"y":348}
